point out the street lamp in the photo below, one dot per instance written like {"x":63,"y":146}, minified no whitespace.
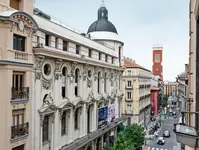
{"x":187,"y":135}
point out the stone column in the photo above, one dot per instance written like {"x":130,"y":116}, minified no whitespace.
{"x":41,"y":132}
{"x":94,"y":145}
{"x":95,"y":117}
{"x":53,"y":131}
{"x":102,"y":142}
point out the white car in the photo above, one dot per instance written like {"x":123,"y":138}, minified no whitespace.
{"x":161,"y":141}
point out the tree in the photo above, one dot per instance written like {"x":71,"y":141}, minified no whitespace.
{"x":165,"y":101}
{"x":131,"y":138}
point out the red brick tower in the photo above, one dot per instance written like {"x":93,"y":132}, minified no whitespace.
{"x":157,"y":68}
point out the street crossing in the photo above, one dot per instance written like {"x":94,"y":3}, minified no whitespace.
{"x":171,"y":117}
{"x":155,"y":148}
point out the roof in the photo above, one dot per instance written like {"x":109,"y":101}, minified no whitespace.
{"x":102,"y":23}
{"x":129,"y":63}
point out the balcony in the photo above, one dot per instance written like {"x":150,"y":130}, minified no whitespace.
{"x":19,"y":56}
{"x":19,"y":131}
{"x":20,"y":94}
{"x":129,"y":87}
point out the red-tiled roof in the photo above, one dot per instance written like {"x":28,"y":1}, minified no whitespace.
{"x":129,"y":63}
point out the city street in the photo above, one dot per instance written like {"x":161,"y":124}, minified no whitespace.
{"x":170,"y":143}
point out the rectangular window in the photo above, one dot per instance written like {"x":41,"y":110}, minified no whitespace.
{"x":57,"y":43}
{"x":18,"y":42}
{"x":63,"y":123}
{"x":76,"y":119}
{"x":157,"y":57}
{"x":128,"y":95}
{"x":90,"y":53}
{"x":99,"y":56}
{"x":18,"y":79}
{"x":77,"y":49}
{"x":112,"y":60}
{"x":47,"y":40}
{"x":65,"y":45}
{"x":106,"y":58}
{"x":129,"y":72}
{"x":129,"y":84}
{"x":63,"y":91}
{"x":45,"y":134}
{"x":17,"y":117}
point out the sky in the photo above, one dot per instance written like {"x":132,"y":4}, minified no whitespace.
{"x":140,"y":24}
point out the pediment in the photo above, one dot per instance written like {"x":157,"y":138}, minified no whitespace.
{"x":18,"y":16}
{"x":66,"y":104}
{"x":78,"y":102}
{"x":48,"y":109}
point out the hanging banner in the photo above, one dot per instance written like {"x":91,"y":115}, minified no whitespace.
{"x":102,"y":116}
{"x":111,"y":113}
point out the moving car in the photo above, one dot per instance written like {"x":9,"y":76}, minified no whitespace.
{"x":166,"y":134}
{"x":160,"y":141}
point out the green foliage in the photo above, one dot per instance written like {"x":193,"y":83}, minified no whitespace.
{"x":165,"y":101}
{"x":130,"y":139}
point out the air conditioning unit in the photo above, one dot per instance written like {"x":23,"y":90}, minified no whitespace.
{"x":40,"y":45}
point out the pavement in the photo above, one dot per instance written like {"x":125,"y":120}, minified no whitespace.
{"x":170,"y":143}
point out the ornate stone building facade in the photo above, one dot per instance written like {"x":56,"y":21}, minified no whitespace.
{"x":66,"y":87}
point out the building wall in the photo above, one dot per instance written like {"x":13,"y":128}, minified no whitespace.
{"x":140,"y":102}
{"x":157,"y":68}
{"x":154,"y":101}
{"x":15,"y":100}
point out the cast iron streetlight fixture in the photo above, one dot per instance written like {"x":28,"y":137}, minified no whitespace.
{"x":186,"y":134}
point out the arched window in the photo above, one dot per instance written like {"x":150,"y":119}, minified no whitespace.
{"x":98,"y":82}
{"x":105,"y":76}
{"x":77,"y":82}
{"x":64,"y":82}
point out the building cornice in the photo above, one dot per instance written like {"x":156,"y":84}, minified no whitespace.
{"x":52,"y":52}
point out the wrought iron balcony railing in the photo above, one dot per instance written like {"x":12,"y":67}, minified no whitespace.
{"x":20,"y":93}
{"x":19,"y":130}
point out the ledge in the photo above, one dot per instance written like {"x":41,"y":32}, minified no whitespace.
{"x":18,"y":138}
{"x":18,"y":101}
{"x":94,"y":135}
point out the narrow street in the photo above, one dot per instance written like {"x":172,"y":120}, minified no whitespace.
{"x":170,"y":142}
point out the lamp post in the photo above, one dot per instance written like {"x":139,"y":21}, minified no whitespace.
{"x":186,"y":134}
{"x":190,"y":101}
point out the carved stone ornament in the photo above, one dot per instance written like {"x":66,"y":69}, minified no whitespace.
{"x":89,"y":83}
{"x":53,"y":117}
{"x":68,"y":113}
{"x":39,"y":62}
{"x":57,"y":76}
{"x":47,"y":84}
{"x":112,"y":82}
{"x":73,"y":66}
{"x":113,"y":93}
{"x":90,"y":96}
{"x":71,"y":78}
{"x":58,"y":65}
{"x":37,"y":75}
{"x":48,"y":100}
{"x":41,"y":119}
{"x":85,"y":72}
{"x":75,"y":108}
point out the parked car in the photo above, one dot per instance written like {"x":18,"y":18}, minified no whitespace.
{"x":166,"y":134}
{"x":161,"y":141}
